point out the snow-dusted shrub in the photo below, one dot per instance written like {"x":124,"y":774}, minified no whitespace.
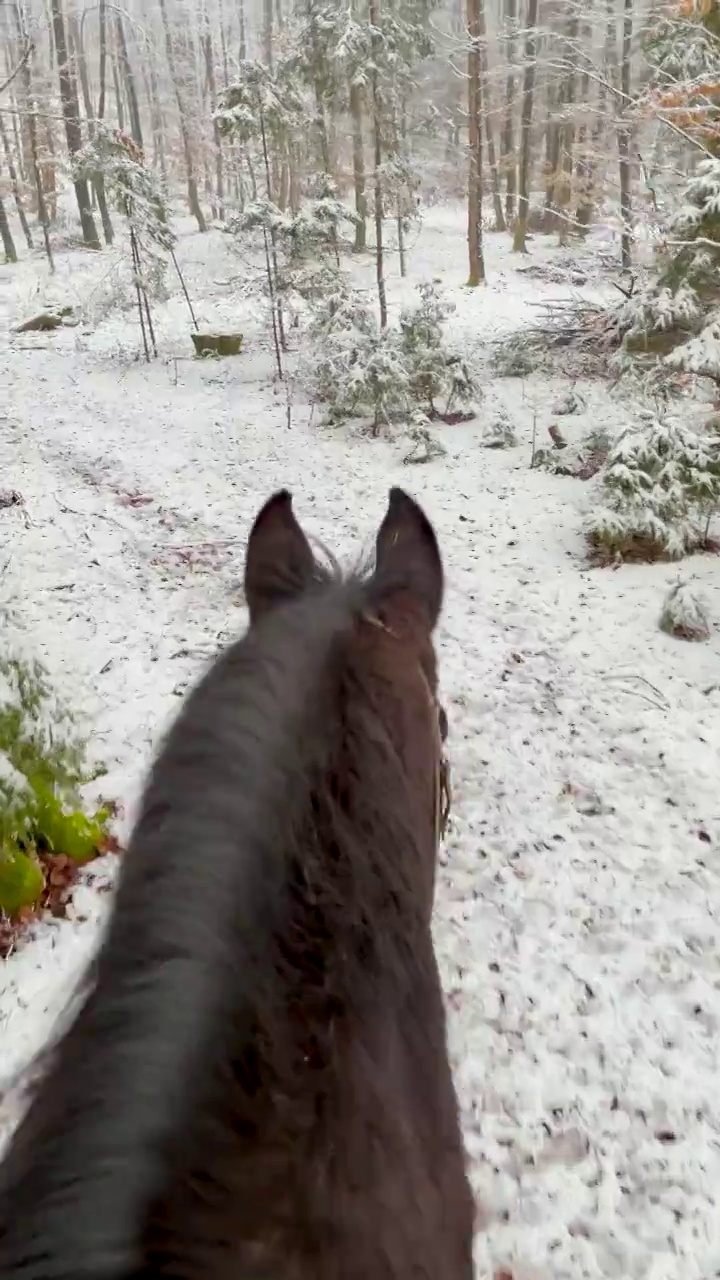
{"x":434,"y":371}
{"x":582,"y":460}
{"x":361,"y":370}
{"x":684,"y":613}
{"x":514,"y":358}
{"x":499,"y":433}
{"x":41,"y":771}
{"x":677,"y":319}
{"x":660,"y":489}
{"x":425,"y":445}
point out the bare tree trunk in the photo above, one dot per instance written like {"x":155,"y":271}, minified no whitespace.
{"x":71,"y":116}
{"x":223,"y":44}
{"x":26,"y":80}
{"x":242,"y":51}
{"x":102,"y":58}
{"x":377,"y":158}
{"x":119,"y":104}
{"x":15,"y":184}
{"x":268,"y":32}
{"x":552,"y":158}
{"x":507,"y":144}
{"x":128,"y":76}
{"x":6,"y":235}
{"x":623,"y":138}
{"x":563,"y":191}
{"x":193,"y":198}
{"x":475,"y":250}
{"x":217,"y":140}
{"x":356,"y":113}
{"x":492,"y":157}
{"x":158,"y":127}
{"x":587,"y":202}
{"x":98,"y":181}
{"x":520,"y":233}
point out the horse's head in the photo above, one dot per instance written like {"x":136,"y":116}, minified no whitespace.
{"x":395,"y":611}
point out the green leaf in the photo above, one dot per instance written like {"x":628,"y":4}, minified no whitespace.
{"x":74,"y":834}
{"x":21,"y":881}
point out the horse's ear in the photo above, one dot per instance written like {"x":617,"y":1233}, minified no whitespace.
{"x":279,"y":563}
{"x":408,"y":566}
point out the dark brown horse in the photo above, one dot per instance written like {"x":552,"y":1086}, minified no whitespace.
{"x":257,"y":1084}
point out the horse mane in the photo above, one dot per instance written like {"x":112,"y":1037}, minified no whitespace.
{"x":234,"y":806}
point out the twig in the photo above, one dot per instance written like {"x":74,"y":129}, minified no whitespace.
{"x":181,"y":278}
{"x":29,"y":49}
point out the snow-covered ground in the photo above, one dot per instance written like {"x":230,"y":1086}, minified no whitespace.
{"x":577,"y":907}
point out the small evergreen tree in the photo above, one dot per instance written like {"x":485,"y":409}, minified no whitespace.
{"x":422,"y":345}
{"x":660,"y":489}
{"x":684,"y":613}
{"x":362,"y":369}
{"x":675,"y":318}
{"x":136,"y":194}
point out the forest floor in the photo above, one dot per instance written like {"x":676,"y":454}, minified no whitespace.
{"x":577,"y":913}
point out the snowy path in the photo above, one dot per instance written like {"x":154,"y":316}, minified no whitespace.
{"x":577,"y":915}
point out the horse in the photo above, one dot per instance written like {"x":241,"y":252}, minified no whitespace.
{"x":256,"y":1084}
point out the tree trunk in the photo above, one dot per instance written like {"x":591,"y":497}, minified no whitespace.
{"x":217,"y":139}
{"x":520,"y":233}
{"x":507,"y":144}
{"x":26,"y":80}
{"x":71,"y":116}
{"x":563,"y":190}
{"x":102,"y":58}
{"x":358,"y":151}
{"x":242,"y":51}
{"x":475,"y":250}
{"x":6,"y":235}
{"x":128,"y":76}
{"x":377,"y":159}
{"x":492,"y":157}
{"x":158,"y":124}
{"x":223,"y":44}
{"x":623,"y":137}
{"x":193,"y":198}
{"x":267,"y":32}
{"x":552,"y":157}
{"x":98,"y":181}
{"x":587,"y":202}
{"x":119,"y":104}
{"x":14,"y":182}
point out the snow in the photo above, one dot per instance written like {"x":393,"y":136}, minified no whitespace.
{"x":576,"y":919}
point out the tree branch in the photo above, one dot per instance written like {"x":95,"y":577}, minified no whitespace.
{"x":29,"y":48}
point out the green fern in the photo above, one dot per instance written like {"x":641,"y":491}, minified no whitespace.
{"x":42,"y":768}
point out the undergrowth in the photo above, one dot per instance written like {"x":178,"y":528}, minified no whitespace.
{"x":45,"y":834}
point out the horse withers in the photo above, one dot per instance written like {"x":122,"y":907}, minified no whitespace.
{"x":256,"y":1084}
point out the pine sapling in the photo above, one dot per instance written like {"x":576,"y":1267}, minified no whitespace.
{"x":684,"y":613}
{"x":660,"y":489}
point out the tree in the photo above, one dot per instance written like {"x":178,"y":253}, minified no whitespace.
{"x":623,"y":138}
{"x":193,"y":197}
{"x":71,"y":116}
{"x":660,"y":489}
{"x":677,"y":316}
{"x":475,"y":252}
{"x":6,"y":235}
{"x":523,"y":208}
